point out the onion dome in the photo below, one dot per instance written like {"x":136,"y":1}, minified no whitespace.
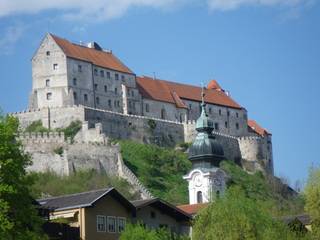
{"x":213,"y":84}
{"x":205,"y":152}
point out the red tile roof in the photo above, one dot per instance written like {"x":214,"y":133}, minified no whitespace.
{"x":213,"y":84}
{"x":192,"y":209}
{"x":97,"y":57}
{"x":257,"y":128}
{"x":166,"y":91}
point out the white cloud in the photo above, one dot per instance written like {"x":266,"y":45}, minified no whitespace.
{"x":233,"y":4}
{"x":106,"y":9}
{"x":10,"y":37}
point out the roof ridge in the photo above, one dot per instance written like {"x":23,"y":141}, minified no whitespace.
{"x":75,"y":194}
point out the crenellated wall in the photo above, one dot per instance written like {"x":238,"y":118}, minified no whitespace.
{"x":254,"y":153}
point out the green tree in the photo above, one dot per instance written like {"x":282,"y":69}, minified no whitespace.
{"x":139,"y":232}
{"x":18,"y":216}
{"x":236,"y":217}
{"x":312,"y":196}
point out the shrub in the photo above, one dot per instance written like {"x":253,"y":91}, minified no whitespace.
{"x":36,"y":126}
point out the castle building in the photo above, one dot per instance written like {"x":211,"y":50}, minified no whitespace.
{"x":84,"y":82}
{"x":206,"y":180}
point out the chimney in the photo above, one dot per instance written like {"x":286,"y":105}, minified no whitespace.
{"x":94,"y":45}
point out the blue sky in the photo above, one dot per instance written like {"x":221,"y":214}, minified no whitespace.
{"x":265,"y":52}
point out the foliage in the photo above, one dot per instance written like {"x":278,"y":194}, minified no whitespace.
{"x":159,"y":169}
{"x":260,"y":188}
{"x":18,"y":216}
{"x":312,"y":195}
{"x":235,"y":216}
{"x":58,"y":150}
{"x":50,"y":184}
{"x":138,"y":232}
{"x":71,"y":131}
{"x":152,"y":124}
{"x":36,"y":126}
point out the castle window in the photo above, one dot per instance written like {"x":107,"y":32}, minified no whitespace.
{"x":163,"y":113}
{"x":109,"y":103}
{"x":108,"y":75}
{"x":95,"y":72}
{"x":122,"y":77}
{"x":48,"y":83}
{"x":55,"y":66}
{"x":97,"y":100}
{"x":95,"y":86}
{"x":115,"y":103}
{"x":116,"y":76}
{"x":210,"y":110}
{"x":105,"y":88}
{"x":132,"y":93}
{"x":237,"y":126}
{"x":48,"y":53}
{"x":85,"y":96}
{"x":216,"y":126}
{"x":75,"y":96}
{"x":49,"y":96}
{"x":118,"y":103}
{"x":226,"y":124}
{"x":134,"y":105}
{"x":237,"y":115}
{"x":74,"y":82}
{"x":228,"y":113}
{"x":79,"y":68}
{"x":190,"y":106}
{"x":147,"y":107}
{"x":220,"y":113}
{"x":111,"y":224}
{"x":101,"y":223}
{"x":101,"y":73}
{"x":116,"y":91}
{"x":181,"y":118}
{"x":199,"y":197}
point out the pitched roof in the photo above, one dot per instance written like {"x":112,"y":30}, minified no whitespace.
{"x":193,"y":209}
{"x":166,"y":91}
{"x":97,"y":57}
{"x":303,"y":218}
{"x":257,"y":128}
{"x":163,"y":206}
{"x":81,"y":200}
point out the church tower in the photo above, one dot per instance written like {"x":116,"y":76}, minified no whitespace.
{"x":206,"y":180}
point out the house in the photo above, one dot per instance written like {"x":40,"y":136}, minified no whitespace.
{"x":157,"y":213}
{"x":99,"y":214}
{"x":103,"y":214}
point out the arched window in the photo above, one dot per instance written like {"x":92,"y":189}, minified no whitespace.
{"x":163,"y":113}
{"x":199,"y":197}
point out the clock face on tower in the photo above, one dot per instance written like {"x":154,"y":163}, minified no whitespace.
{"x":198,"y":180}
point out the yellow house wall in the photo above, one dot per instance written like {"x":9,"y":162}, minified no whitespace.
{"x":106,"y":207}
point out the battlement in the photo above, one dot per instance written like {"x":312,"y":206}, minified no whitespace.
{"x":42,"y":137}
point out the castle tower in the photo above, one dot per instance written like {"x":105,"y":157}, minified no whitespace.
{"x":206,"y":180}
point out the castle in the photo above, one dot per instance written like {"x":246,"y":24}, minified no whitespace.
{"x":87,"y":83}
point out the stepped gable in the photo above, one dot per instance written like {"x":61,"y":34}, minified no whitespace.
{"x":97,"y":57}
{"x":166,"y":91}
{"x":254,"y":126}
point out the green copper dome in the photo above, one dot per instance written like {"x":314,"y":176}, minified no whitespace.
{"x":205,"y":152}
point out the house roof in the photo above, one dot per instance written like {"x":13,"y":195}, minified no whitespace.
{"x":175,"y":93}
{"x":163,"y":206}
{"x":257,"y":128}
{"x":192,"y":209}
{"x":82,"y":200}
{"x":97,"y":57}
{"x":303,"y":218}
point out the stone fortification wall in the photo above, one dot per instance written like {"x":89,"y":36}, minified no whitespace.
{"x":134,"y":127}
{"x":54,"y":117}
